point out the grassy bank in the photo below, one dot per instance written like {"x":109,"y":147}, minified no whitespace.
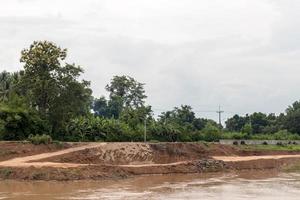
{"x":270,"y":147}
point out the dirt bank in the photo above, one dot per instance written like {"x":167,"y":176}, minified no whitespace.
{"x":10,"y":150}
{"x":70,"y":161}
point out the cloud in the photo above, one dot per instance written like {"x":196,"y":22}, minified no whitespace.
{"x":242,"y":54}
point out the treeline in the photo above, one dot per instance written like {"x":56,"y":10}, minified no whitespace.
{"x":48,"y":97}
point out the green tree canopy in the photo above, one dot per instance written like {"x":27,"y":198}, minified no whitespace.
{"x":128,"y":89}
{"x":52,"y":87}
{"x":292,"y":119}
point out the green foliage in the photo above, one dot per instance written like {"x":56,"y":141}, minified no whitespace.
{"x":17,"y":121}
{"x":271,"y":147}
{"x":98,"y":129}
{"x":48,"y":97}
{"x":5,"y":172}
{"x":185,"y":119}
{"x":247,"y":129}
{"x":211,"y":133}
{"x":164,"y":132}
{"x":40,"y":139}
{"x":51,"y":87}
{"x":128,"y":89}
{"x":292,"y":119}
{"x":280,"y":135}
{"x":8,"y":82}
{"x":236,"y":123}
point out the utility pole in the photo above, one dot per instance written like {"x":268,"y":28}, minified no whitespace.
{"x":220,"y":113}
{"x":145,"y":129}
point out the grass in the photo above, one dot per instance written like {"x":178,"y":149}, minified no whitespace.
{"x":5,"y":172}
{"x":271,"y":147}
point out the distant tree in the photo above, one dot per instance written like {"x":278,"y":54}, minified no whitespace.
{"x":292,"y":119}
{"x":185,"y":118}
{"x":235,"y":123}
{"x":100,"y":107}
{"x":211,"y":132}
{"x":247,"y":128}
{"x":134,"y":117}
{"x":182,"y":115}
{"x":127,"y":89}
{"x":126,"y":101}
{"x":8,"y":82}
{"x":258,"y":122}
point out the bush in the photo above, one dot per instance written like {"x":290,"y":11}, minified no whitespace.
{"x":211,"y":133}
{"x":280,"y":135}
{"x":92,"y":128}
{"x":40,"y":139}
{"x":18,"y":121}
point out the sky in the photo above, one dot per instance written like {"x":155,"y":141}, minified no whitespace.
{"x":240,"y":54}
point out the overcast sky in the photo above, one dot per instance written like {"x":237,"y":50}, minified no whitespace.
{"x":240,"y":54}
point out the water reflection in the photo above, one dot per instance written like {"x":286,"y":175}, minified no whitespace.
{"x":245,"y":185}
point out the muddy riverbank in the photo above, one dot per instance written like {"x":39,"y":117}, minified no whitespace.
{"x":81,"y":161}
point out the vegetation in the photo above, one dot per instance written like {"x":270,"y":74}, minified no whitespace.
{"x":47,"y":99}
{"x":271,"y":147}
{"x":40,"y":139}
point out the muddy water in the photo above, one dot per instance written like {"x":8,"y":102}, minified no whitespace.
{"x":248,"y":185}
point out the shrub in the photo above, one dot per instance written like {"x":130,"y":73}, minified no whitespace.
{"x":211,"y":133}
{"x":40,"y":139}
{"x":18,"y":121}
{"x":5,"y":172}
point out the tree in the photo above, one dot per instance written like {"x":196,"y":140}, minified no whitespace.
{"x":134,"y":117}
{"x":211,"y":132}
{"x":235,"y":123}
{"x":126,"y":88}
{"x":247,"y":128}
{"x":52,"y":87}
{"x":258,"y":122}
{"x":111,"y":108}
{"x":292,"y":118}
{"x":100,"y":107}
{"x":8,"y":82}
{"x":182,"y":115}
{"x":126,"y":101}
{"x":185,"y":118}
{"x":18,"y":121}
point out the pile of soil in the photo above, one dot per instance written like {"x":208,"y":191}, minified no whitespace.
{"x":154,"y":153}
{"x":144,"y":153}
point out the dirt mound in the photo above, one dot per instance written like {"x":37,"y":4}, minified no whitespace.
{"x":144,"y":153}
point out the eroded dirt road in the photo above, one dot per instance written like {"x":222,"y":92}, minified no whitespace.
{"x":27,"y":161}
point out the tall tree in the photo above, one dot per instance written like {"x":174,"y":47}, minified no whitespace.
{"x":128,"y":89}
{"x":53,"y":87}
{"x":235,"y":123}
{"x":8,"y":81}
{"x":292,"y":119}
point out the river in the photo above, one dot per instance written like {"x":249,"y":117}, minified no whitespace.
{"x":226,"y":186}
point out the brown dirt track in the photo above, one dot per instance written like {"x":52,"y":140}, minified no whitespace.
{"x":110,"y":160}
